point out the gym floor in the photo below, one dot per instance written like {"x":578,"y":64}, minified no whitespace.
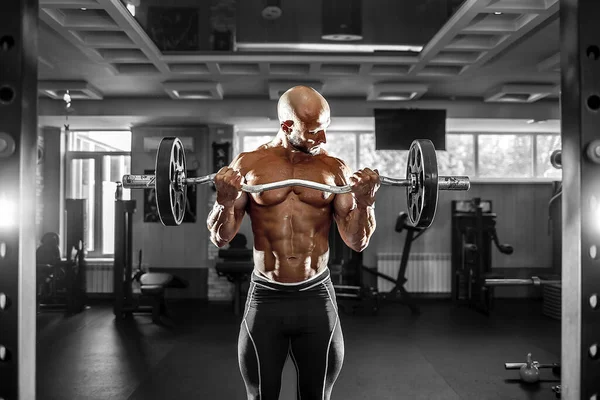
{"x":447,"y":353}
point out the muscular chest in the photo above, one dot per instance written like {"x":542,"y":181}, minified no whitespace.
{"x":279,"y":170}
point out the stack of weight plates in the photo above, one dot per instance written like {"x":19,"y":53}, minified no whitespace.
{"x":551,"y":297}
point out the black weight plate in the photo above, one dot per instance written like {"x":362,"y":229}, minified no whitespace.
{"x":171,"y":189}
{"x":422,"y":197}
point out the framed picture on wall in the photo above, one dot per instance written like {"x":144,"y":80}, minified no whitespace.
{"x":151,"y":208}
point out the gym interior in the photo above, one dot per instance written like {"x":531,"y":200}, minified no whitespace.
{"x":485,"y":293}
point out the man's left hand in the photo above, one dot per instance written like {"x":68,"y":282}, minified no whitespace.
{"x":365,"y":183}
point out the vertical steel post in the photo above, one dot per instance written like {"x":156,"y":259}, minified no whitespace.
{"x":580,"y":120}
{"x":18,"y":160}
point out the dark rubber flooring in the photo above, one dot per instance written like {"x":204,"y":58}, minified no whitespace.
{"x":445,"y":353}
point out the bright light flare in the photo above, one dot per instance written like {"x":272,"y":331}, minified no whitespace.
{"x":8,"y":213}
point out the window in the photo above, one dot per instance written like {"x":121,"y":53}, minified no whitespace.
{"x":95,"y":162}
{"x":390,"y":163}
{"x":504,"y":156}
{"x":252,"y":142}
{"x":482,"y":156}
{"x":342,"y":146}
{"x":459,"y":156}
{"x":545,"y":145}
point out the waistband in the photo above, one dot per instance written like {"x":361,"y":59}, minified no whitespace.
{"x":316,"y":280}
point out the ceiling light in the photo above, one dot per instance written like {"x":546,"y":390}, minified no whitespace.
{"x":272,"y":10}
{"x":326,"y":47}
{"x":341,"y":20}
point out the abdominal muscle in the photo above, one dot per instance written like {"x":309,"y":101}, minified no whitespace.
{"x":291,"y":244}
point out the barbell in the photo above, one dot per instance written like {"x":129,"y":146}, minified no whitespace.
{"x":170,"y":182}
{"x":533,"y":281}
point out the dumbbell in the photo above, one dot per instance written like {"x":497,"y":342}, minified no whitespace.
{"x":529,"y":371}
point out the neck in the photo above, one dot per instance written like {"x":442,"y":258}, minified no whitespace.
{"x":281,"y":140}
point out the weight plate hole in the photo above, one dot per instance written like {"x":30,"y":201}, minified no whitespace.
{"x":594,"y":301}
{"x":593,"y":102}
{"x":4,"y":353}
{"x":3,"y":301}
{"x":593,"y":351}
{"x":593,"y":252}
{"x":593,"y":52}
{"x":7,"y":43}
{"x":7,"y":94}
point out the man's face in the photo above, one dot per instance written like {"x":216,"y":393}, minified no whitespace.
{"x":308,"y":136}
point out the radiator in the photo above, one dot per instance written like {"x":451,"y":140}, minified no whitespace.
{"x":425,"y":272}
{"x":99,"y":277}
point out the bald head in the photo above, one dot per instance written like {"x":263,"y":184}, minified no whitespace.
{"x":302,"y":104}
{"x":303,"y":116}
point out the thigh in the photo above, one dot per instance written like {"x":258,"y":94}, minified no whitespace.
{"x":318,"y":351}
{"x":262,"y":351}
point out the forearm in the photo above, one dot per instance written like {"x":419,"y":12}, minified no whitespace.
{"x":358,"y":227}
{"x":222,"y":224}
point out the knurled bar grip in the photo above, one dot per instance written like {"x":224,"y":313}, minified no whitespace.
{"x":444,"y":183}
{"x":534,"y":281}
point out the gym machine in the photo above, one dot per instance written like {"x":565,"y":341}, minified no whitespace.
{"x":364,"y":294}
{"x":399,"y":293}
{"x":152,"y":284}
{"x":473,"y":231}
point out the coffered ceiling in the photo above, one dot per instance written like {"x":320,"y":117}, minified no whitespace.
{"x":502,"y":52}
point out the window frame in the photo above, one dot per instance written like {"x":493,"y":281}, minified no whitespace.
{"x":97,"y":157}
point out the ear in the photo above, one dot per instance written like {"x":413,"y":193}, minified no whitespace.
{"x":287,"y":125}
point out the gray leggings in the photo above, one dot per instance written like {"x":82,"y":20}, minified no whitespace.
{"x":296,"y":319}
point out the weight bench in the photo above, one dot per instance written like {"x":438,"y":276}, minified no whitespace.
{"x":153,"y":286}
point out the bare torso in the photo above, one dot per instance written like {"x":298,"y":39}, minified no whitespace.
{"x":290,"y":225}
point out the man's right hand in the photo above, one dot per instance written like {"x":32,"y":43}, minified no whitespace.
{"x":228,"y":182}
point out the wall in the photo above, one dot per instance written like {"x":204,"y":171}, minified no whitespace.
{"x":50,"y":203}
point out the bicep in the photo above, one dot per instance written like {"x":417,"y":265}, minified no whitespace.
{"x":343,"y":204}
{"x":241,"y":203}
{"x":239,"y":207}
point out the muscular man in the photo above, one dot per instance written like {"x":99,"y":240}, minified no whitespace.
{"x":291,"y":306}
